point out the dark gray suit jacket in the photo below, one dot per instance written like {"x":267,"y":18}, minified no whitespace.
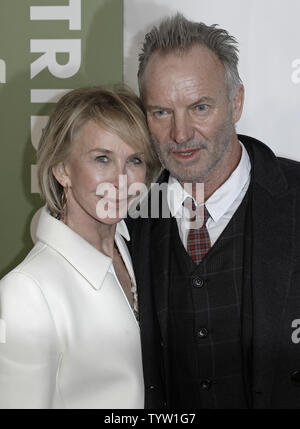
{"x":271,"y":316}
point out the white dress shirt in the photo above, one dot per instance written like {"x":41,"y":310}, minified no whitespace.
{"x":221,"y":205}
{"x":69,"y":337}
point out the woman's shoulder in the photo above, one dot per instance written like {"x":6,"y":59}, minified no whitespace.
{"x":40,"y":260}
{"x":24,"y":293}
{"x":24,"y":272}
{"x":25,"y":315}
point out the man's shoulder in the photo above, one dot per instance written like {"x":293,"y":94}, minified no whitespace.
{"x":268,"y":165}
{"x":291,"y":170}
{"x":289,"y":164}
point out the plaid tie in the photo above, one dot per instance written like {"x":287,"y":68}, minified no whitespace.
{"x":198,"y":241}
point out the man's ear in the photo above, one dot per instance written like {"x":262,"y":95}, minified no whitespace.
{"x":238,"y":103}
{"x":60,"y":174}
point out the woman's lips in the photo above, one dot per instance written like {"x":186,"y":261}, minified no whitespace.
{"x":116,"y":202}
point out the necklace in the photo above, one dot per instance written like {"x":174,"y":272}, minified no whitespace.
{"x":135,"y":300}
{"x":133,"y":289}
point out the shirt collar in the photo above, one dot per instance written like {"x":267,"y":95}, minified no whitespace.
{"x":176,"y":195}
{"x":123,"y":230}
{"x":220,"y":201}
{"x":86,"y":259}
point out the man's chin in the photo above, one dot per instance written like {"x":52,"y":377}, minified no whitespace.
{"x":185,"y":178}
{"x":183,"y":175}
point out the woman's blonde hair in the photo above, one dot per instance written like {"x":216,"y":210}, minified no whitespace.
{"x":119,"y":110}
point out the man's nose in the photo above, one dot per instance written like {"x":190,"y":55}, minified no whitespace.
{"x":182,"y":130}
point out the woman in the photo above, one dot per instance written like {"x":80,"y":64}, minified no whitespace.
{"x":70,"y":308}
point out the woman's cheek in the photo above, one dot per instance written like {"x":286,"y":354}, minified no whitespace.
{"x":139,"y":174}
{"x":102,"y":177}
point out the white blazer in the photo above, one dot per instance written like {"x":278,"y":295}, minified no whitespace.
{"x":68,"y":336}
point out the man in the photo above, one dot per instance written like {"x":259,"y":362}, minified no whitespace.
{"x":223,"y":300}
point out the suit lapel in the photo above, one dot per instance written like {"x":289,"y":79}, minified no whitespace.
{"x":151,"y":238}
{"x":273,"y":228}
{"x":160,"y":253}
{"x":273,"y":231}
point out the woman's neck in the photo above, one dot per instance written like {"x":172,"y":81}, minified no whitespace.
{"x":97,"y":233}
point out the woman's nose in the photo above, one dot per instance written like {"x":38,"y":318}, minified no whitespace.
{"x":119,"y":179}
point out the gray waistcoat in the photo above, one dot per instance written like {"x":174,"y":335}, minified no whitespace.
{"x":205,"y":353}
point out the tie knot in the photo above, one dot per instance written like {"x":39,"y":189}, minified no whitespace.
{"x":198,"y":215}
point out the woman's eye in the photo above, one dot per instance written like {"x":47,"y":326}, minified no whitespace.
{"x":136,"y":160}
{"x":102,"y":158}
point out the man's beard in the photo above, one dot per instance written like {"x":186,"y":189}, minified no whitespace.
{"x":190,"y":173}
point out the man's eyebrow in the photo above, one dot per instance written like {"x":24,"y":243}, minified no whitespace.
{"x":201,"y":101}
{"x":157,"y":107}
{"x":195,"y":103}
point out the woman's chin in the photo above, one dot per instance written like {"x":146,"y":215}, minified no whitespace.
{"x":113,"y":214}
{"x":112,"y":218}
{"x":110,"y":221}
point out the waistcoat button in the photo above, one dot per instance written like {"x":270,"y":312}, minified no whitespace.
{"x":202,"y":333}
{"x":205,"y":384}
{"x":197,"y":282}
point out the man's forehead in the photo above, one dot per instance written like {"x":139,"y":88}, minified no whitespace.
{"x":196,"y":53}
{"x":190,"y":76}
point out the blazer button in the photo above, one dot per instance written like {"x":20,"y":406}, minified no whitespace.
{"x":197,"y":282}
{"x":151,"y":387}
{"x":205,"y":384}
{"x":296,"y":376}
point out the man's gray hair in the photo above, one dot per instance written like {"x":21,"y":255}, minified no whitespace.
{"x":179,"y":34}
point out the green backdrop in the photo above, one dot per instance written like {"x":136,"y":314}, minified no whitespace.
{"x":101,"y":63}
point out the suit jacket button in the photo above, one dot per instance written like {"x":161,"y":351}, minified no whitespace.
{"x":151,"y":387}
{"x":296,"y":376}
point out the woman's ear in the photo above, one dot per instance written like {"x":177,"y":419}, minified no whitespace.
{"x":60,"y":174}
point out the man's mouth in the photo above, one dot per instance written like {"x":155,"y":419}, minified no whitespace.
{"x":185,"y":154}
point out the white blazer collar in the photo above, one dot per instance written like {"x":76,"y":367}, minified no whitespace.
{"x":88,"y":261}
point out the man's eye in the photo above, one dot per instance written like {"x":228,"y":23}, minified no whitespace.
{"x":159,"y":113}
{"x":102,"y":158}
{"x":201,"y":107}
